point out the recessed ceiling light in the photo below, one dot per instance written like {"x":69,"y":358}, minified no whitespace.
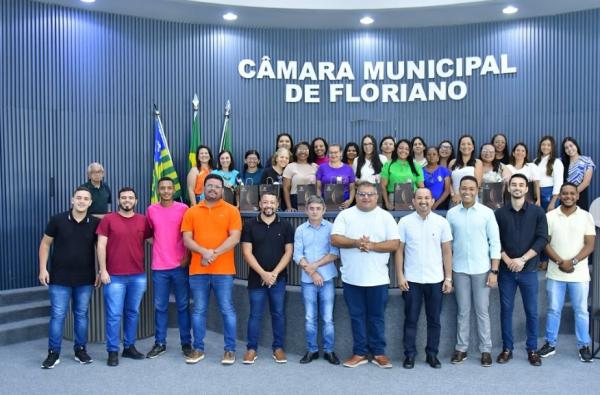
{"x":367,"y":20}
{"x":230,"y":16}
{"x":510,"y":10}
{"x":88,"y":1}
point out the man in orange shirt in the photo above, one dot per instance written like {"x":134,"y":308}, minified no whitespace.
{"x":211,"y":229}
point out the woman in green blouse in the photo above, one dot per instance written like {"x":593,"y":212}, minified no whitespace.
{"x":401,"y":169}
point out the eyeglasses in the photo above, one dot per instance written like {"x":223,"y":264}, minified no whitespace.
{"x":211,"y":186}
{"x":302,"y":150}
{"x":366,"y":194}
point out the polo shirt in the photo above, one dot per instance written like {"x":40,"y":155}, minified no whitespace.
{"x":365,"y":269}
{"x":125,"y":246}
{"x":313,"y":243}
{"x":520,"y":231}
{"x":210,"y":227}
{"x":423,"y":238}
{"x":72,"y":260}
{"x":101,"y":197}
{"x":476,"y":238}
{"x":399,"y":172}
{"x":567,"y":234}
{"x":268,"y":245}
{"x":167,"y":247}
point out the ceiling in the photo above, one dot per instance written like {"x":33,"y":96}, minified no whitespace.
{"x":332,"y":14}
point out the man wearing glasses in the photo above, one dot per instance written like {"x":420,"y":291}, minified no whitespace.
{"x":365,"y":235}
{"x":101,"y":194}
{"x":211,"y":229}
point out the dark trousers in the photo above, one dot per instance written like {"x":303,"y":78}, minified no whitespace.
{"x":527,"y":282}
{"x":366,"y":306}
{"x":432,"y":294}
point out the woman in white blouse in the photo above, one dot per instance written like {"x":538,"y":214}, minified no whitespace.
{"x":551,"y":172}
{"x":369,"y":163}
{"x":519,"y":163}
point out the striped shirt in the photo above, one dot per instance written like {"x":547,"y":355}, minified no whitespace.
{"x":577,"y":170}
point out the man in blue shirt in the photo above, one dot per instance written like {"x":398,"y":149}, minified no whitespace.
{"x":315,"y":255}
{"x":523,"y":235}
{"x":475,"y":261}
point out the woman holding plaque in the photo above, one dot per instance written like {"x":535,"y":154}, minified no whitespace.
{"x":437,"y":179}
{"x":465,"y":164}
{"x":519,"y":163}
{"x":400,"y":170}
{"x":300,"y":172}
{"x":336,"y":172}
{"x":492,"y":189}
{"x":197,"y":174}
{"x":550,"y":171}
{"x":579,"y":169}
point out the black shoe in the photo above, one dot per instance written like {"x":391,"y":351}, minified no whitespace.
{"x":309,"y":357}
{"x":486,"y":359}
{"x":585,"y":355}
{"x":433,"y":361}
{"x":157,"y":350}
{"x":113,"y":358}
{"x":331,"y":358}
{"x":51,"y":360}
{"x":505,"y":356}
{"x":409,"y":363}
{"x":186,"y":349}
{"x":546,"y":350}
{"x":458,"y":357}
{"x":534,"y":359}
{"x":82,"y":356}
{"x":131,"y":352}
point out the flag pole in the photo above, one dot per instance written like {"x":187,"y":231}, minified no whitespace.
{"x":227,"y":113}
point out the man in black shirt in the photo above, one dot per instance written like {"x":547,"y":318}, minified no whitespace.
{"x":523,"y":235}
{"x":72,"y":273}
{"x":267,"y":245}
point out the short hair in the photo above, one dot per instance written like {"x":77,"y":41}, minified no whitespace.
{"x":422,"y":188}
{"x":469,"y":178}
{"x":127,"y":189}
{"x":314,"y":199}
{"x":279,"y":152}
{"x":165,"y":179}
{"x":92,"y":165}
{"x":518,"y":175}
{"x":213,"y":176}
{"x":81,"y":189}
{"x":269,"y":192}
{"x":334,"y":145}
{"x":366,"y":184}
{"x":568,"y":184}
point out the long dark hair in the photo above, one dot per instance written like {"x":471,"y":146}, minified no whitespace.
{"x":412,"y":142}
{"x":281,"y":135}
{"x":410,"y":160}
{"x":495,"y":162}
{"x":451,"y":149}
{"x":551,"y":157}
{"x":231,"y":165}
{"x":312,"y":156}
{"x":252,"y":152}
{"x":387,"y":138}
{"x":345,"y":153}
{"x":210,"y":156}
{"x":362,"y":157}
{"x":566,"y":160}
{"x":513,"y":160}
{"x":458,"y":163}
{"x":505,"y":153}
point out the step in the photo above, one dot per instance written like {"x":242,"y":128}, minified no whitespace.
{"x":23,"y":311}
{"x":25,"y":330}
{"x":23,"y":295}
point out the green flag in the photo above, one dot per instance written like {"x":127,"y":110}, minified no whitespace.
{"x":195,"y":139}
{"x":226,"y":138}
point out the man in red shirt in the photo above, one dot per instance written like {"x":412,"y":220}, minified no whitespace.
{"x":120,"y":250}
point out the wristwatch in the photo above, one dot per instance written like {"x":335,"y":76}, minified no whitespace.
{"x":449,"y":279}
{"x":575,"y":261}
{"x":523,"y":259}
{"x":494,"y":271}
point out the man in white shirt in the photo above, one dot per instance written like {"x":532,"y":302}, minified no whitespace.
{"x":424,"y":270}
{"x":365,"y":235}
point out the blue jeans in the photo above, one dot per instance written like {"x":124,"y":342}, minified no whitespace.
{"x":313,"y":297}
{"x":527,"y":282}
{"x":165,"y":281}
{"x":413,"y":298}
{"x":258,"y":299}
{"x":578,"y":293}
{"x":366,"y":306}
{"x":222,"y":286}
{"x":122,"y":296}
{"x":60,"y":296}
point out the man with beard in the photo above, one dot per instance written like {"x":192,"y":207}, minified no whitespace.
{"x":170,"y":262}
{"x":572,"y":234}
{"x":72,"y":273}
{"x":121,"y":238}
{"x":523,"y":235}
{"x":267,"y":244}
{"x":211,"y":229}
{"x":424,"y":270}
{"x":365,"y":235}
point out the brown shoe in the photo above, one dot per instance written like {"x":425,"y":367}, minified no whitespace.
{"x":382,"y":361}
{"x":534,"y":358}
{"x":486,"y":359}
{"x":194,"y":356}
{"x":249,"y":357}
{"x":458,"y":357}
{"x":356,"y":360}
{"x":228,"y":358}
{"x":504,"y":356}
{"x":279,"y":355}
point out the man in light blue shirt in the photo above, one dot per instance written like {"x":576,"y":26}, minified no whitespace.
{"x":476,"y":258}
{"x":314,"y":253}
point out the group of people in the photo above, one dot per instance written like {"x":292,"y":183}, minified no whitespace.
{"x":470,"y":251}
{"x":394,"y":162}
